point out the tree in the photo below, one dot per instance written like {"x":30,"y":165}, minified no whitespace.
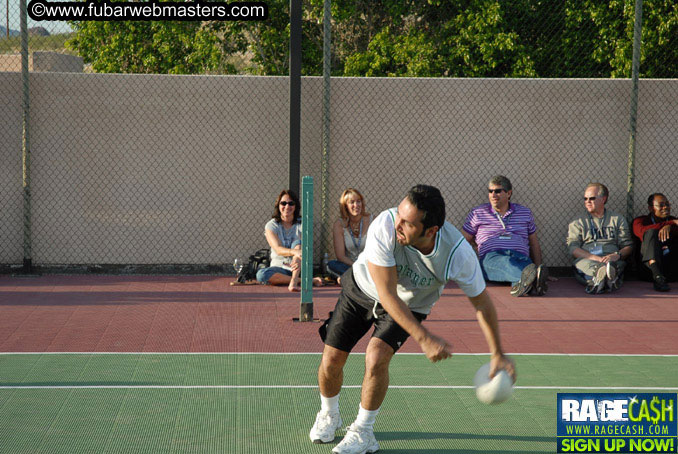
{"x":172,"y":47}
{"x":473,"y":41}
{"x":414,"y":38}
{"x":659,"y":51}
{"x":589,"y":38}
{"x":411,"y":55}
{"x":266,"y":43}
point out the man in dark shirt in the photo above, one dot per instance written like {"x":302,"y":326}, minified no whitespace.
{"x":658,"y":233}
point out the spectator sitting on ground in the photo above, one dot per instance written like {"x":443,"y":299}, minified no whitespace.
{"x":349,"y":232}
{"x":658,"y":233}
{"x":283,"y":234}
{"x":505,"y":236}
{"x":600,"y":242}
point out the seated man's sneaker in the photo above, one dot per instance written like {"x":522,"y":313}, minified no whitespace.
{"x":326,"y":424}
{"x":659,"y":282}
{"x":541,"y":285}
{"x":527,"y":278}
{"x":613,"y":280}
{"x":357,"y":441}
{"x":597,"y":284}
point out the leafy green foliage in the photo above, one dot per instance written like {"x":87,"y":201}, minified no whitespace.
{"x":395,"y":38}
{"x":659,"y":56}
{"x":149,"y":47}
{"x":411,"y":55}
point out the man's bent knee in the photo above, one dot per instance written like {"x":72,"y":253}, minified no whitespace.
{"x":650,"y":233}
{"x":333,"y":359}
{"x":378,"y":356}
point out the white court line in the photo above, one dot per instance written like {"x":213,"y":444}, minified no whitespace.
{"x":603,"y":388}
{"x":319,"y":353}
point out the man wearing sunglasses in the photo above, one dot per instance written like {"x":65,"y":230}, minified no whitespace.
{"x":600,"y":242}
{"x":658,"y":233}
{"x":505,"y":236}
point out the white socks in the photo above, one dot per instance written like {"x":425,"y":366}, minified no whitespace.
{"x":330,"y":404}
{"x":365,"y":419}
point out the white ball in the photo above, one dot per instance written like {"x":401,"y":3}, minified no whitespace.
{"x":492,"y":391}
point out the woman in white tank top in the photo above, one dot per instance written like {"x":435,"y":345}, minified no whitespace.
{"x":349,"y":231}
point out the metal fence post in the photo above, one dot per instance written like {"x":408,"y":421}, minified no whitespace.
{"x":325,"y":160}
{"x":25,"y":143}
{"x":306,"y":306}
{"x":295,"y":94}
{"x":635,"y":69}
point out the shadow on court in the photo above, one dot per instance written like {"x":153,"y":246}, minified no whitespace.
{"x":479,"y":438}
{"x":464,"y":451}
{"x":388,"y":436}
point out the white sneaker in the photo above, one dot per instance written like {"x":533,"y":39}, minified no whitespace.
{"x":326,"y":424}
{"x":612,"y":277}
{"x":357,"y":441}
{"x":600,"y":279}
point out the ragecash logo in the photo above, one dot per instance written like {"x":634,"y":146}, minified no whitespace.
{"x":617,"y":422}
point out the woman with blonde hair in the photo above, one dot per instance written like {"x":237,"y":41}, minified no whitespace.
{"x":349,"y":231}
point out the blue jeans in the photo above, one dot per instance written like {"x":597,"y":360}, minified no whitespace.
{"x":504,"y":265}
{"x":337,"y":268}
{"x":264,"y":274}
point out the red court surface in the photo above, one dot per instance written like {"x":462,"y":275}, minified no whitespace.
{"x":98,"y":313}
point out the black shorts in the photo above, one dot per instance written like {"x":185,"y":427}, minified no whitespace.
{"x":354,"y":315}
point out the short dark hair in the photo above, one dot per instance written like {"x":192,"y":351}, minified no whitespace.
{"x":297,"y":205}
{"x":501,"y":180}
{"x":428,"y":200}
{"x":650,"y":200}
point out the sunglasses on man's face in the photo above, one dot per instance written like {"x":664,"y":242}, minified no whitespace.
{"x":589,"y":199}
{"x":496,"y":191}
{"x":288,"y":203}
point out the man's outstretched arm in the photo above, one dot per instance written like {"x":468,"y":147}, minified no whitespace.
{"x":487,"y":318}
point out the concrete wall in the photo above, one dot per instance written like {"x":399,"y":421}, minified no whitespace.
{"x":57,"y":63}
{"x":43,"y":62}
{"x":550,"y":137}
{"x":148,"y":169}
{"x":11,"y":236}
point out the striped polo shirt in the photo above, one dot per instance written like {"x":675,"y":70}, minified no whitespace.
{"x":490,"y":235}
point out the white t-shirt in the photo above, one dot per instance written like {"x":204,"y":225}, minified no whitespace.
{"x":288,"y":238}
{"x":421,"y":278}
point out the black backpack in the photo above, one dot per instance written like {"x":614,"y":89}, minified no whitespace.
{"x":258,"y":260}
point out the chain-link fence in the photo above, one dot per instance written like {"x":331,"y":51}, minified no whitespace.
{"x":181,"y":165}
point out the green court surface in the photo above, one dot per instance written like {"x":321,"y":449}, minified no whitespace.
{"x":266,"y":403}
